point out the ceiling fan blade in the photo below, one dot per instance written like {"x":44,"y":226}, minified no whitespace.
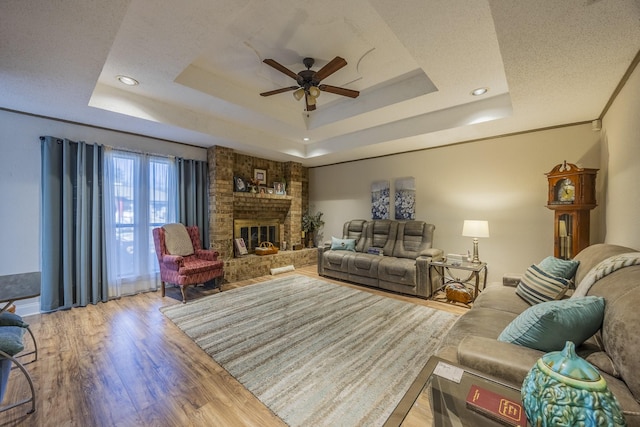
{"x":277,"y":91}
{"x":281,"y":68}
{"x":339,"y":91}
{"x":334,"y":65}
{"x":311,"y":102}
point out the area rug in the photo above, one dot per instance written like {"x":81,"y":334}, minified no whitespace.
{"x":316,"y":353}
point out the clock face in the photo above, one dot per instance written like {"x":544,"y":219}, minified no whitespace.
{"x":566,"y":191}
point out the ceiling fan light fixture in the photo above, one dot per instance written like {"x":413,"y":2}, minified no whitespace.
{"x":298,"y":94}
{"x":309,"y":81}
{"x":314,"y":91}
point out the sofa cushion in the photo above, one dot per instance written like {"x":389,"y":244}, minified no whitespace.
{"x":355,"y":229}
{"x":538,"y":286}
{"x":397,"y":270}
{"x":365,"y":265}
{"x":549,"y":325}
{"x":343,"y":244}
{"x":381,"y":233}
{"x":413,"y":238}
{"x":621,"y":291}
{"x":177,"y":240}
{"x":478,"y":322}
{"x":503,"y":298}
{"x":337,"y":260}
{"x":565,"y":268}
{"x":603,"y":362}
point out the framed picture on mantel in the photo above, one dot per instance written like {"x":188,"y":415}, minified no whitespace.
{"x":260,"y":175}
{"x":279,"y":188}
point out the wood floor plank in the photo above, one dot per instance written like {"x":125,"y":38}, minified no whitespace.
{"x":123,"y":363}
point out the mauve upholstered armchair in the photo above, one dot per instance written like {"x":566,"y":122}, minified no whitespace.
{"x":189,"y":264}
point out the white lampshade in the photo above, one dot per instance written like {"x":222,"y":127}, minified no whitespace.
{"x":473,"y":228}
{"x":298,"y":94}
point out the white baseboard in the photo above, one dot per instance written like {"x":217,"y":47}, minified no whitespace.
{"x":28,"y":307}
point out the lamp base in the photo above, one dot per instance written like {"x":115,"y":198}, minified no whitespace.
{"x":476,"y":259}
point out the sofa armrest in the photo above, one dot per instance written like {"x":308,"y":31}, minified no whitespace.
{"x":511,"y":279}
{"x":433,"y":253}
{"x":424,"y":282}
{"x":320,"y":261}
{"x":501,"y":360}
{"x":173,"y":262}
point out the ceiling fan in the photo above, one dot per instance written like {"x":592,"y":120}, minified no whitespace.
{"x":309,"y":81}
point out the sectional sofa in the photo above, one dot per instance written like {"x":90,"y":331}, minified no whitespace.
{"x":477,"y":339}
{"x":385,"y":254}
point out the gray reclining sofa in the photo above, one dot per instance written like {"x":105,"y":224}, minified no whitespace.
{"x":403,"y":267}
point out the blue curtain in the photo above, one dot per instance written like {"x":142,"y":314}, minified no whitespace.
{"x":73,"y":249}
{"x":193,"y":192}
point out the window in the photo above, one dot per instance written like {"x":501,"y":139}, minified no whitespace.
{"x":139,"y":196}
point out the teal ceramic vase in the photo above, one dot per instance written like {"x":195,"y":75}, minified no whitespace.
{"x":563,"y":389}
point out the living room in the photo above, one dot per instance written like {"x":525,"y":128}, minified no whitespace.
{"x":499,"y":179}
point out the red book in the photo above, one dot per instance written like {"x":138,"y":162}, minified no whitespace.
{"x":497,"y":407}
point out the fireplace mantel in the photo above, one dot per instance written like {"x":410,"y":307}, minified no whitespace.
{"x":267,"y":201}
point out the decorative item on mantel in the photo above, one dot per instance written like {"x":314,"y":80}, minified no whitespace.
{"x":310,"y":224}
{"x":564,"y":389}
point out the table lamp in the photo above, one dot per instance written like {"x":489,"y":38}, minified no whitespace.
{"x":475,"y":229}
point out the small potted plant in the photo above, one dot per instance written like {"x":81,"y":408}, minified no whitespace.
{"x":310,"y":224}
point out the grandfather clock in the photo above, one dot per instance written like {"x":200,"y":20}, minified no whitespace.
{"x":572,"y":195}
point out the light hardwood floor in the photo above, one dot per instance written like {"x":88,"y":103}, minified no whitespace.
{"x":123,"y":363}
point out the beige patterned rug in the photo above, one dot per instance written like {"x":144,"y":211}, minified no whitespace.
{"x":317,"y":354}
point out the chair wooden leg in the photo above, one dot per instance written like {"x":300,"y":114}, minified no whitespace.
{"x":162,"y":289}
{"x":184,"y":294}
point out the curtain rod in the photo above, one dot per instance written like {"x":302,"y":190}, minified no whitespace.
{"x":129,"y":150}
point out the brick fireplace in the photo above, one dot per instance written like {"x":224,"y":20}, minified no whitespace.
{"x":225,"y":207}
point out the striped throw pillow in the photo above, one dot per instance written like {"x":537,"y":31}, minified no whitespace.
{"x":559,"y":267}
{"x":538,"y":286}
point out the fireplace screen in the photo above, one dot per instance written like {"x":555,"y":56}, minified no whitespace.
{"x":255,"y":232}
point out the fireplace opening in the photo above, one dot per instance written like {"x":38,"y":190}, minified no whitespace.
{"x":254,"y":232}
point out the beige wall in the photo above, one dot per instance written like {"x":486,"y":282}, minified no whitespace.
{"x":500,"y":180}
{"x":621,"y":164}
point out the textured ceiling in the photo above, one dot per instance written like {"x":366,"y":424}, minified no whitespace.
{"x":199,"y":64}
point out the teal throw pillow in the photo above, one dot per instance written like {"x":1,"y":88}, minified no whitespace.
{"x":559,"y":267}
{"x":11,"y":339}
{"x":549,"y":325}
{"x":10,"y":319}
{"x":343,"y":244}
{"x":536,"y":286}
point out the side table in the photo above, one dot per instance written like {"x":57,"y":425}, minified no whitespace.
{"x":438,"y":396}
{"x":444,"y":270}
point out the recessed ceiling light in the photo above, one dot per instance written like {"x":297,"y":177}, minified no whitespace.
{"x":305,"y":139}
{"x":129,"y":81}
{"x":479,"y":91}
